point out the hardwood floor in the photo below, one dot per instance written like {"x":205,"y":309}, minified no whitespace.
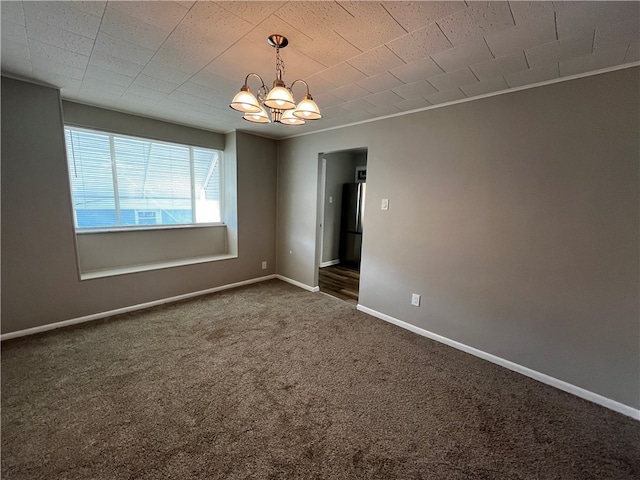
{"x":340,"y":282}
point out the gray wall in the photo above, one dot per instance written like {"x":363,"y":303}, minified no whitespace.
{"x":340,"y":170}
{"x":88,"y":116}
{"x":257,"y":177}
{"x":515,"y":217}
{"x":100,"y":251}
{"x":40,"y":282}
{"x":360,"y":159}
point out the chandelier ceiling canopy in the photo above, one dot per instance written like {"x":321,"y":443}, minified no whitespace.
{"x":279,"y":100}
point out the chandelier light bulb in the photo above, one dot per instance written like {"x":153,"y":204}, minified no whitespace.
{"x":289,"y":118}
{"x":257,"y":117}
{"x":245,"y":101}
{"x":279,"y":97}
{"x":307,"y":109}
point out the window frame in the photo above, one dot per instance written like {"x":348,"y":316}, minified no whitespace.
{"x":139,"y":227}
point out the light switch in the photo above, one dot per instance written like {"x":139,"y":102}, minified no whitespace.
{"x":385,"y":204}
{"x":330,"y":199}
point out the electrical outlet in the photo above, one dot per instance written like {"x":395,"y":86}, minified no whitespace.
{"x":385,"y":204}
{"x":264,"y":265}
{"x":415,"y":300}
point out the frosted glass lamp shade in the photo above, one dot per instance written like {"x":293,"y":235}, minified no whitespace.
{"x":280,"y":98}
{"x":257,"y":117}
{"x":245,"y":101}
{"x":307,"y":109}
{"x":289,"y":118}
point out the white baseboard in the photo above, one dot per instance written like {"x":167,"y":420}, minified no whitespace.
{"x":298,"y":284}
{"x":141,"y":306}
{"x":132,"y":308}
{"x":329,"y":263}
{"x":541,"y":377}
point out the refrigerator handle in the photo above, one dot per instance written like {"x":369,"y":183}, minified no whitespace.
{"x":358,"y":208}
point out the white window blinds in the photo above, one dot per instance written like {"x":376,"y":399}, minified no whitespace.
{"x":120,"y":181}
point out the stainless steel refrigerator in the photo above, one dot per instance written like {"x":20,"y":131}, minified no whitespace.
{"x":353,"y":195}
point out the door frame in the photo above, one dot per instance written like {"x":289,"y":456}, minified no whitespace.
{"x":322,"y":180}
{"x":321,"y":200}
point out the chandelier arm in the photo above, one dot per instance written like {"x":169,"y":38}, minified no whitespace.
{"x":261,"y":93}
{"x":246,"y":80}
{"x":301,"y":81}
{"x":262,"y":90}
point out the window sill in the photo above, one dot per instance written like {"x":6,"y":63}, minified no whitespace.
{"x":111,"y":272}
{"x":134,"y":228}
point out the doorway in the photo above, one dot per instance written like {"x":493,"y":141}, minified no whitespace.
{"x":340,"y":282}
{"x":341,"y":200}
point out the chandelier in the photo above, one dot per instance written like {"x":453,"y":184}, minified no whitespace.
{"x":279,"y":100}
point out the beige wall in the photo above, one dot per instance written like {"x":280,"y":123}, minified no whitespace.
{"x":515,"y":217}
{"x":40,"y":282}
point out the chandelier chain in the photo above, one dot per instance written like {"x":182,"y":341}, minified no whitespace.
{"x":279,"y":64}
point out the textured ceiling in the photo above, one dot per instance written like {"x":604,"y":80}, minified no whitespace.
{"x":184,"y":61}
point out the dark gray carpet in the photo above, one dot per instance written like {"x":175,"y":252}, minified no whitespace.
{"x":272,"y":382}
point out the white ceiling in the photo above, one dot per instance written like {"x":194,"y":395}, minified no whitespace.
{"x":184,"y":61}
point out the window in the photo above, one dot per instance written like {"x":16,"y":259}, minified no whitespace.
{"x":121,"y":181}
